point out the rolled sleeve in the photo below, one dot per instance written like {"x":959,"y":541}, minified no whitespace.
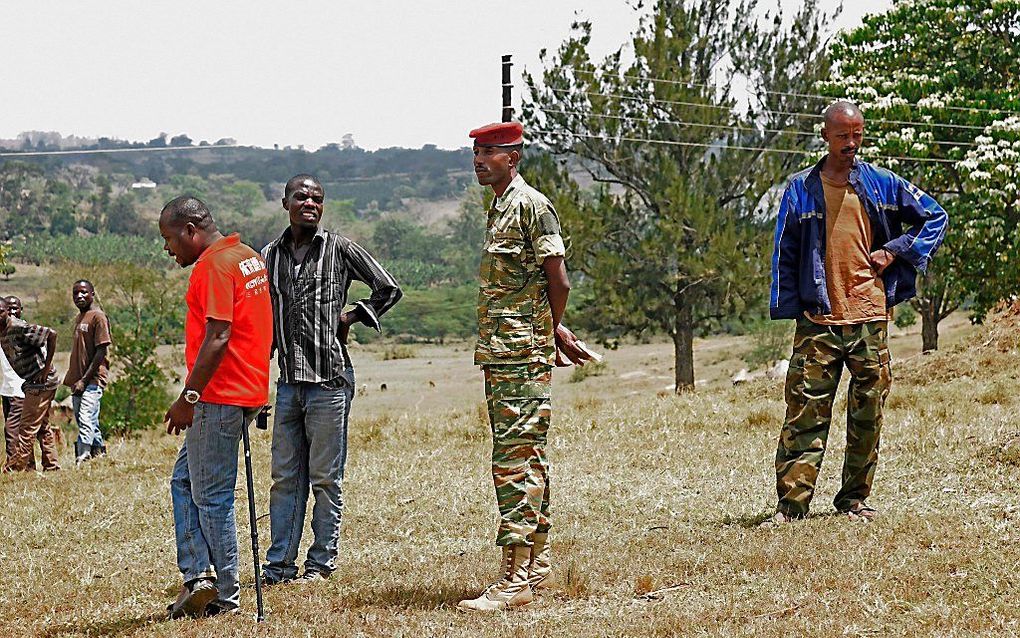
{"x":542,"y":224}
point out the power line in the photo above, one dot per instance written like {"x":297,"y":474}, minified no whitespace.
{"x":718,"y":126}
{"x":791,"y":113}
{"x":731,"y":146}
{"x":791,"y":94}
{"x":148,"y":149}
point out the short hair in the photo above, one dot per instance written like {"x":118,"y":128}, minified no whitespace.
{"x":8,"y":298}
{"x":83,"y":281}
{"x":3,"y":303}
{"x":189,"y":209}
{"x":841,"y":107}
{"x":294,"y":182}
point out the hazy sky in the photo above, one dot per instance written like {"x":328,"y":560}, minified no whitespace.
{"x":393,"y":73}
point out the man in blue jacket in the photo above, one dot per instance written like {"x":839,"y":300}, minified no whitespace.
{"x":850,"y":239}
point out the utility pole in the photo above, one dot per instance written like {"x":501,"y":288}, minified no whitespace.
{"x":508,"y":110}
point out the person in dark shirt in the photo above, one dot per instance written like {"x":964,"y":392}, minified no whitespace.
{"x":87,"y":370}
{"x":310,"y":271}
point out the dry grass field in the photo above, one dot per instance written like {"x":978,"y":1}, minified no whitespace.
{"x":656,"y":498}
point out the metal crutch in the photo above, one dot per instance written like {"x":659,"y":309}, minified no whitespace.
{"x":262,"y":422}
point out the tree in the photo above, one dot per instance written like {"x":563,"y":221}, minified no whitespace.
{"x":930,"y":75}
{"x":673,"y":239}
{"x":123,"y":217}
{"x":143,"y":304}
{"x":244,"y":196}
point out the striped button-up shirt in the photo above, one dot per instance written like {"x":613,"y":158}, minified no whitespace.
{"x":308,"y":298}
{"x":24,"y":344}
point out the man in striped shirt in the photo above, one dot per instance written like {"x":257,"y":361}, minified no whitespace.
{"x":29,"y":349}
{"x":310,"y":272}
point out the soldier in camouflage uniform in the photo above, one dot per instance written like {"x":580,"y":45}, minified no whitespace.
{"x":522,"y":297}
{"x":850,"y":239}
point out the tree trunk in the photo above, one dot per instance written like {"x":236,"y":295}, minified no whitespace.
{"x":683,"y":345}
{"x":929,"y":327}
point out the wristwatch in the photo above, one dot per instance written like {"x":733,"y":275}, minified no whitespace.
{"x":191,"y":396}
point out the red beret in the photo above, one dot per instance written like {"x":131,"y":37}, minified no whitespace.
{"x":499,"y":134}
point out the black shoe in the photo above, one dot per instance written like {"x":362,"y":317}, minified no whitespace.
{"x":215,"y":609}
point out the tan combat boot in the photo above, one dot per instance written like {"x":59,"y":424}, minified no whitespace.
{"x":512,"y":590}
{"x":541,"y":560}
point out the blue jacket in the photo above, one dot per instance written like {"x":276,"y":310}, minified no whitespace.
{"x":905,"y":220}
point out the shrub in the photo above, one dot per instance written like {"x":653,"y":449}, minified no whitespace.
{"x":139,"y":397}
{"x":906,"y":316}
{"x":590,"y":369}
{"x":770,"y":341}
{"x":399,"y":351}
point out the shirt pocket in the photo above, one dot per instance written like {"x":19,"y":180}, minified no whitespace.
{"x":511,"y":328}
{"x":502,"y":263}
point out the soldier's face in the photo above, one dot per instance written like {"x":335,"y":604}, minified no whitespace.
{"x":493,"y":164}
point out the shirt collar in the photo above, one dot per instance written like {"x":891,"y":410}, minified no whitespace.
{"x":232,"y":239}
{"x":320,"y":235}
{"x":502,"y":202}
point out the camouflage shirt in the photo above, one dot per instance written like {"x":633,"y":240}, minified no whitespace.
{"x":514,"y":316}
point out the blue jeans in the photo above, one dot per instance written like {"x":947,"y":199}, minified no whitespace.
{"x":86,"y":413}
{"x":202,"y":488}
{"x":309,"y":453}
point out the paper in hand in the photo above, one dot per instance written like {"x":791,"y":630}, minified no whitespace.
{"x":596,"y":357}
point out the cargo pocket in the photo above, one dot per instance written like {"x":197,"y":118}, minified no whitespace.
{"x":513,"y":331}
{"x":795,"y":377}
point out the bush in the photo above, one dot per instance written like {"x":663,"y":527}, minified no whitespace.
{"x":590,"y":369}
{"x":770,"y":342}
{"x":906,"y":316}
{"x":139,"y":397}
{"x":7,"y":270}
{"x":399,"y":351}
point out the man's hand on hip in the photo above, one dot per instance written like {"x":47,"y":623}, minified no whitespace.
{"x":880,"y":260}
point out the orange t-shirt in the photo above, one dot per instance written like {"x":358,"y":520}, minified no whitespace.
{"x":229,"y":283}
{"x":856,"y":291}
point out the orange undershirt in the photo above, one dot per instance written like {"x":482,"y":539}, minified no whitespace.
{"x":856,"y":291}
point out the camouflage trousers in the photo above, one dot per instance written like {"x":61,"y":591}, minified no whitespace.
{"x":518,"y":397}
{"x":819,"y":354}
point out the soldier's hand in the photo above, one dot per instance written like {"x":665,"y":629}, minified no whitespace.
{"x":567,"y":346}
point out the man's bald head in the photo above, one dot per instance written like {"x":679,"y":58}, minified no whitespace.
{"x":843,"y":132}
{"x":842,"y":111}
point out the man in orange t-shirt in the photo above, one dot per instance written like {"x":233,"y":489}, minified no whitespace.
{"x":228,"y":335}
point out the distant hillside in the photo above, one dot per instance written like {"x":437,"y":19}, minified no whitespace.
{"x":384,"y":176}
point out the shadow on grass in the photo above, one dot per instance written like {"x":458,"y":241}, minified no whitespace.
{"x":117,"y":627}
{"x":426,"y":596}
{"x":752,"y":521}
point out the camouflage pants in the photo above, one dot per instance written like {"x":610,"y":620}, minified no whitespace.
{"x":518,"y":398}
{"x":819,"y":353}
